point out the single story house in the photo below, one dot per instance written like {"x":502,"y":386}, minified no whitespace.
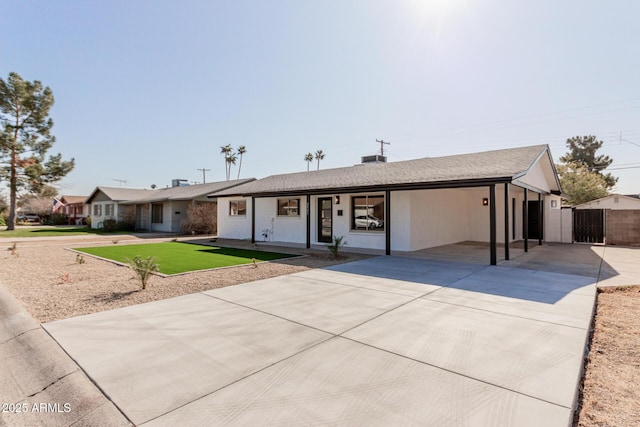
{"x":75,"y":208}
{"x":612,"y":201}
{"x":160,"y":210}
{"x":499,"y":196}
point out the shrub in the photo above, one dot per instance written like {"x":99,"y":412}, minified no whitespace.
{"x":334,"y":248}
{"x":3,"y":222}
{"x":109,"y":225}
{"x":201,"y":218}
{"x":144,"y":268}
{"x":56,"y":219}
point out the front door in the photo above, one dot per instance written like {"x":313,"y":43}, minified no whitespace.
{"x":325,"y":222}
{"x":535,"y":220}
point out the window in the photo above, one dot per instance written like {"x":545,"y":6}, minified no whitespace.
{"x":156,"y":213}
{"x":97,"y":210}
{"x":238,"y":208}
{"x":615,"y":200}
{"x":108,"y":209}
{"x":367,"y":213}
{"x":288,"y":207}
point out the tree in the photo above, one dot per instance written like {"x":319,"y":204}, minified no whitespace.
{"x":308,"y":158}
{"x":582,"y":151}
{"x":581,"y":184}
{"x":226,"y":151}
{"x":319,"y":156}
{"x":241,"y":150}
{"x":25,"y":138}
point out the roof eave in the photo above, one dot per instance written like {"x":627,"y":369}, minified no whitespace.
{"x":475,"y":182}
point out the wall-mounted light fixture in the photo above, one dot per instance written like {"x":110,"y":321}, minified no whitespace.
{"x":337,"y":198}
{"x":554,"y":203}
{"x":485,"y":201}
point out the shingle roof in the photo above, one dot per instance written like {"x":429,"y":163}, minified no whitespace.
{"x":72,"y":200}
{"x":187,"y":192}
{"x":120,"y":194}
{"x":134,"y":195}
{"x":489,"y":165}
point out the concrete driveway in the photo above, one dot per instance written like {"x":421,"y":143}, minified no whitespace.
{"x":383,"y":341}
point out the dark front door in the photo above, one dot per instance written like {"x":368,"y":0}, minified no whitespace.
{"x":325,"y":220}
{"x":535,"y":220}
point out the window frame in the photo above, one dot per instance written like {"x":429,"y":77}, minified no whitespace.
{"x":97,"y":209}
{"x":288,"y":207}
{"x":352,"y":216}
{"x":157,"y":207}
{"x":238,"y":211}
{"x":108,"y":209}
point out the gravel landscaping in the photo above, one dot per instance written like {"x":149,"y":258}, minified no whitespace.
{"x":46,"y":278}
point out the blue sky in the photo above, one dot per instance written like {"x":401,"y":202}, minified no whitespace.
{"x":148,"y":91}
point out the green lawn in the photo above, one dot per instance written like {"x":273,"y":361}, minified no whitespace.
{"x":54,"y":230}
{"x":176,"y":257}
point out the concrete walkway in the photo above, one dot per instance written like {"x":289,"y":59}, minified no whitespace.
{"x":383,"y":341}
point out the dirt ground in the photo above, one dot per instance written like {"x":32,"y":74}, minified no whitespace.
{"x":52,"y":285}
{"x":611,"y":388}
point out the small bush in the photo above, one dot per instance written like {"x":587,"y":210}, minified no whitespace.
{"x":80,"y":259}
{"x":334,"y":248}
{"x":3,"y":222}
{"x":109,"y":225}
{"x":144,"y":268}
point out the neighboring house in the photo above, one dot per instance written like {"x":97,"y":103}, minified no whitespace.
{"x":613,"y":201}
{"x":151,"y":210}
{"x":75,"y":209}
{"x":404,"y":206}
{"x":614,"y":220}
{"x":164,"y":209}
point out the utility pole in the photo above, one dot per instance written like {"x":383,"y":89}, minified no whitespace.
{"x":204,"y":181}
{"x":382,"y":144}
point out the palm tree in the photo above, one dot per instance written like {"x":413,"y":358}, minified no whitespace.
{"x":241,"y":150}
{"x":226,"y":151}
{"x":308,"y":158}
{"x":319,"y":156}
{"x":231,"y":160}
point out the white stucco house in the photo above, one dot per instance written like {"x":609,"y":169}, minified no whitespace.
{"x":160,"y":210}
{"x":499,"y":196}
{"x":613,"y":201}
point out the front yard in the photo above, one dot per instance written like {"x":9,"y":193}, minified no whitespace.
{"x":50,"y":231}
{"x":176,"y":257}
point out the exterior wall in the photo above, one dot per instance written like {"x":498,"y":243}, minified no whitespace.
{"x":558,"y":221}
{"x":609,"y":202}
{"x":401,"y":239}
{"x":234,"y":227}
{"x":536,"y":177}
{"x":623,"y":227}
{"x":439,"y":217}
{"x":291,"y":229}
{"x":167,"y":214}
{"x":178,"y":213}
{"x":97,"y":220}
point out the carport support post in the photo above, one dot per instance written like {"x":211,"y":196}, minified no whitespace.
{"x":492,"y":224}
{"x":525,"y":221}
{"x":506,"y":220}
{"x":253,"y":220}
{"x":308,"y":221}
{"x":387,"y":223}
{"x":540,"y":219}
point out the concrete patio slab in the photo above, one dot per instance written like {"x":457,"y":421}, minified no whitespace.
{"x":153,"y":358}
{"x":538,"y":359}
{"x":342,"y":382}
{"x":322,"y":305}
